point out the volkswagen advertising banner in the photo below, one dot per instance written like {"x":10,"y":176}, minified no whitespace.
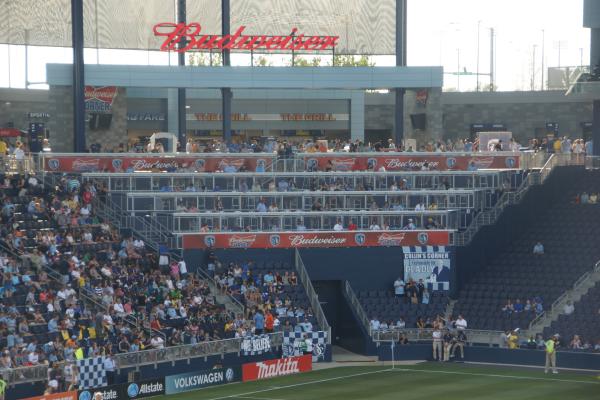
{"x":126,"y":391}
{"x":201,"y":379}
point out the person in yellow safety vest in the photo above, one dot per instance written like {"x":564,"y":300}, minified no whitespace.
{"x":79,"y":353}
{"x":2,"y":388}
{"x":551,"y":354}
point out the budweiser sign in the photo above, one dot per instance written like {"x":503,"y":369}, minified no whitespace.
{"x":105,"y":94}
{"x":181,"y":38}
{"x":306,"y":240}
{"x":274,"y":368}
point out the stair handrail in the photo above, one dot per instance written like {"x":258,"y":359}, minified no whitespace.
{"x":355,"y":303}
{"x":567,"y":293}
{"x":313,"y":297}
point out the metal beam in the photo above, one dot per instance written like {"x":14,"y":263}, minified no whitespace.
{"x":78,"y":77}
{"x":226,"y":94}
{"x":181,"y":96}
{"x":401,"y":18}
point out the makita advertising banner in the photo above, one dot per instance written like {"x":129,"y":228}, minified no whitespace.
{"x":274,"y":368}
{"x":285,"y":240}
{"x":126,"y":391}
{"x":174,"y":163}
{"x":201,"y":379}
{"x":408,"y":162}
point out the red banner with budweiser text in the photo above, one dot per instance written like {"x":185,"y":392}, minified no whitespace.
{"x":286,"y":240}
{"x":274,"y":368}
{"x":413,"y":162}
{"x":131,"y":162}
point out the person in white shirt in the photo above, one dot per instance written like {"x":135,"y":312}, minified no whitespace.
{"x":183,"y":268}
{"x":33,"y":358}
{"x":461,"y":323}
{"x":399,"y":287}
{"x":157,"y":342}
{"x":138,"y":244}
{"x":338,"y":226}
{"x":437,"y":344}
{"x":375,"y":324}
{"x":119,"y":309}
{"x":569,"y":308}
{"x":538,"y":249}
{"x":374,"y":227}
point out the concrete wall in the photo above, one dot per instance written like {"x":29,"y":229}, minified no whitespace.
{"x":521,"y":112}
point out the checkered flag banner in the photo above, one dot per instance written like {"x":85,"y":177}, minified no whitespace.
{"x":255,"y":345}
{"x":292,"y":344}
{"x":91,"y":373}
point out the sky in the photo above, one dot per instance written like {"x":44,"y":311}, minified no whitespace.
{"x":440,"y":32}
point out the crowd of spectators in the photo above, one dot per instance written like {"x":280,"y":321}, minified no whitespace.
{"x":57,"y":253}
{"x":532,"y":305}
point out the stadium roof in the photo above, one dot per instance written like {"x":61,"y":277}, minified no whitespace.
{"x":363,"y":26}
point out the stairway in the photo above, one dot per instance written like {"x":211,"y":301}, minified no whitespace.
{"x":580,"y":289}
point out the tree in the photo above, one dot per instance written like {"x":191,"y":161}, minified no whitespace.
{"x":203,"y":59}
{"x":262,"y":61}
{"x":305,"y":62}
{"x":349,"y":60}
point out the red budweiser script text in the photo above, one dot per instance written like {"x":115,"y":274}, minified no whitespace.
{"x":179,"y":163}
{"x":274,"y":368}
{"x":410,"y":162}
{"x":102,"y":93}
{"x":286,"y":240}
{"x":181,"y":37}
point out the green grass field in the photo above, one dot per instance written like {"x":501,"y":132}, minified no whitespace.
{"x":422,"y":381}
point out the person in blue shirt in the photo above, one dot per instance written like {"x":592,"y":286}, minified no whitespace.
{"x":518,"y":306}
{"x":259,"y":322}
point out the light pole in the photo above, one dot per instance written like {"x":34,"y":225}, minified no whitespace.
{"x":458,"y":69}
{"x":478,"y":41}
{"x":543,"y":55}
{"x":533,"y":68}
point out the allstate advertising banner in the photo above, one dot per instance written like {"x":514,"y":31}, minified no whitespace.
{"x":126,"y":391}
{"x":201,"y":379}
{"x":432,"y":264}
{"x":409,"y":161}
{"x":171,"y":163}
{"x":286,"y":240}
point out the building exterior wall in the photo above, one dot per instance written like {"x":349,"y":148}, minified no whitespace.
{"x":525,"y":114}
{"x":449,"y":115}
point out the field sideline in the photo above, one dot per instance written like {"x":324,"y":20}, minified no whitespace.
{"x":422,"y":381}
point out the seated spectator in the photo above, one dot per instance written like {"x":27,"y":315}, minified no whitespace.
{"x":576,"y":343}
{"x":569,"y":308}
{"x":338,"y":226}
{"x":518,"y":306}
{"x":538,"y":249}
{"x":593,"y":198}
{"x":584,"y":198}
{"x":508,"y":307}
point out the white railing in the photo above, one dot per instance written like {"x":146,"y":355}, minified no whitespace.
{"x":489,"y":338}
{"x":555,"y":306}
{"x":357,"y":307}
{"x":312,"y":295}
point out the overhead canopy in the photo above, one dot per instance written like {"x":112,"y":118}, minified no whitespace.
{"x":363,"y":26}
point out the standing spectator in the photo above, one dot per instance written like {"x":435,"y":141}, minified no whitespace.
{"x":259,"y":322}
{"x":551,"y":354}
{"x":109,"y":367}
{"x":461,"y":339}
{"x":569,"y":308}
{"x":399,"y":287}
{"x":437,"y":344}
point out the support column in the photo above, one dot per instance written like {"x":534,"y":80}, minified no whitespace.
{"x":181,"y":97}
{"x":173,"y":110}
{"x":596,"y":128}
{"x":226,"y":94}
{"x":401,"y":15}
{"x":79,"y":145}
{"x":357,"y":115}
{"x":594,"y":48}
